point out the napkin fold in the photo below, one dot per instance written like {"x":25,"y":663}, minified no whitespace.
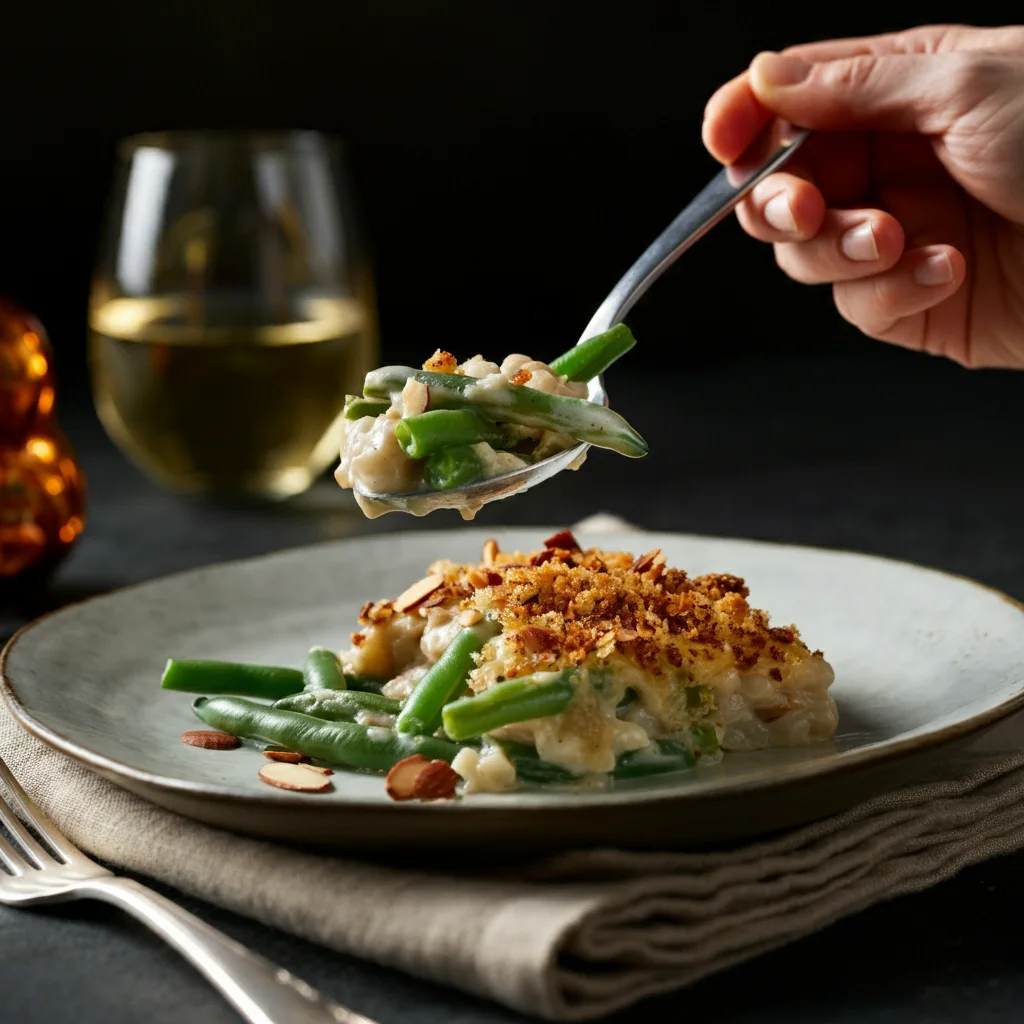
{"x":579,"y":935}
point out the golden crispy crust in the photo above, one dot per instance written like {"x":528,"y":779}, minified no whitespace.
{"x":561,"y":605}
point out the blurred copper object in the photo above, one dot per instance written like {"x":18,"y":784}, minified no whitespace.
{"x":42,"y":490}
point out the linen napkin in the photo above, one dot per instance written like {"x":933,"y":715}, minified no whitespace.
{"x":579,"y":935}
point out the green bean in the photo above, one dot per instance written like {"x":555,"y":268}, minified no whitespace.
{"x":530,"y":767}
{"x":518,"y":700}
{"x":338,"y":705}
{"x":592,"y":357}
{"x":705,"y":738}
{"x":453,"y":467}
{"x":322,"y":671}
{"x":628,"y":698}
{"x":357,"y":407}
{"x":445,"y":679}
{"x":365,"y":684}
{"x":512,"y":403}
{"x":420,"y":436}
{"x":699,"y":699}
{"x":660,"y":757}
{"x":372,"y":748}
{"x":230,"y":677}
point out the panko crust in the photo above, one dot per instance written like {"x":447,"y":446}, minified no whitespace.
{"x":561,"y":605}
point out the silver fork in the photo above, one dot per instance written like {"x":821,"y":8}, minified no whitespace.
{"x":261,"y":992}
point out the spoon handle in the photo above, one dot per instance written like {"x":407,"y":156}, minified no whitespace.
{"x":770,"y":151}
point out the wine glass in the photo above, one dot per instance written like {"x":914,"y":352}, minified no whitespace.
{"x":231,"y":310}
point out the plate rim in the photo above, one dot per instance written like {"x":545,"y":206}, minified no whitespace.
{"x":835,"y":764}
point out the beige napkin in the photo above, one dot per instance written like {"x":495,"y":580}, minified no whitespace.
{"x":582,"y":934}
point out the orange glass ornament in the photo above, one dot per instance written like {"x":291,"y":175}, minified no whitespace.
{"x":42,"y":489}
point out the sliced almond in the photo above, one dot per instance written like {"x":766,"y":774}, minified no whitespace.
{"x":285,"y":756}
{"x":644,"y":562}
{"x":416,"y":778}
{"x":436,"y":782}
{"x":296,"y":777}
{"x":490,"y":552}
{"x":476,"y":579}
{"x":317,"y":768}
{"x":415,"y":397}
{"x":470,"y":617}
{"x":209,"y":739}
{"x":401,"y":781}
{"x":564,"y":540}
{"x":438,"y":597}
{"x":657,"y":567}
{"x":419,"y":591}
{"x":537,"y":638}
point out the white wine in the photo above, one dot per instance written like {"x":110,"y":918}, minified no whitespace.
{"x":227,"y":402}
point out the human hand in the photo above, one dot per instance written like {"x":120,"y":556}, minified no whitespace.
{"x":909,"y":198}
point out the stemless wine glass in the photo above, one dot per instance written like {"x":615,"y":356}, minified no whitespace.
{"x":231,"y":311}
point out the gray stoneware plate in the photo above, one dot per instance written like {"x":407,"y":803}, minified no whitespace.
{"x":923,"y":661}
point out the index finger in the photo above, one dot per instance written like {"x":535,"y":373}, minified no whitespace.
{"x":927,"y":39}
{"x":732,"y":119}
{"x":734,"y":116}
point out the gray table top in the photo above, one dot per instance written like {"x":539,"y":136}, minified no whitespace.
{"x":896,"y":455}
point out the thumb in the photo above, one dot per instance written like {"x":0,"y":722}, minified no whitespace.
{"x":917,"y":92}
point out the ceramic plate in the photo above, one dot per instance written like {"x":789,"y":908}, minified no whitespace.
{"x":923,"y":660}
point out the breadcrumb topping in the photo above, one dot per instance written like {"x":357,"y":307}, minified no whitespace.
{"x":561,"y":605}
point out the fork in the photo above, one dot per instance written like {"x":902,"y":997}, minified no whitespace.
{"x":30,"y":875}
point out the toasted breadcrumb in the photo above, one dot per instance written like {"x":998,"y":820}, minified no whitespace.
{"x":560,"y":605}
{"x":441,"y":362}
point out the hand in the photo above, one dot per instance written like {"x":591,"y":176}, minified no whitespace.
{"x":910,"y":198}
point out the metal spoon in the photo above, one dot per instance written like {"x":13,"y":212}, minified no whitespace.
{"x":769,"y":152}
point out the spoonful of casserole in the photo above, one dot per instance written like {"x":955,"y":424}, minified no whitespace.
{"x":458,"y":435}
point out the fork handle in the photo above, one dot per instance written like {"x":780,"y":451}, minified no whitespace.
{"x":260,"y":991}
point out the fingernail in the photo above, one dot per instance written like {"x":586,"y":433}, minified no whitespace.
{"x":934,"y":271}
{"x":859,"y":244}
{"x":774,"y":69}
{"x":779,"y":214}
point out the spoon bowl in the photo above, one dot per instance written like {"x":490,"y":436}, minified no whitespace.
{"x":769,"y":152}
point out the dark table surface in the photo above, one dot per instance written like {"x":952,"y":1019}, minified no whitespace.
{"x":896,"y":455}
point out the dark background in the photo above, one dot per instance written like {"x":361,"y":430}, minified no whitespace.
{"x":511,"y":158}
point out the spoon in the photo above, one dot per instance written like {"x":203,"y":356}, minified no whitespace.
{"x":769,"y":152}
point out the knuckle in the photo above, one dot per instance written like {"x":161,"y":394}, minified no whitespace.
{"x":850,"y":304}
{"x":852,"y":74}
{"x":975,"y":74}
{"x":789,"y":260}
{"x":841,"y":300}
{"x":747,"y":218}
{"x":884,"y":298}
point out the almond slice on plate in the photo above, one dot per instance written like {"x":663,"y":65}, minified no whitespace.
{"x":294,"y":777}
{"x":436,"y":782}
{"x":401,"y":781}
{"x":209,"y":739}
{"x":318,"y":768}
{"x":286,"y":756}
{"x":419,"y":591}
{"x":416,"y":778}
